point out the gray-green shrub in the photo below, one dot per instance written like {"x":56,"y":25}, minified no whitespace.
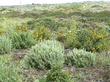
{"x":5,"y":45}
{"x":80,"y":58}
{"x":45,"y":54}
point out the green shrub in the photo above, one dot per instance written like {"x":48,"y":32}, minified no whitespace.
{"x":5,"y":45}
{"x":57,"y":75}
{"x":71,"y":39}
{"x":5,"y":59}
{"x":80,"y":58}
{"x":8,"y":72}
{"x":84,"y":39}
{"x":68,"y":38}
{"x":22,"y":40}
{"x":45,"y":55}
{"x":68,"y":35}
{"x":42,"y":33}
{"x":96,"y":40}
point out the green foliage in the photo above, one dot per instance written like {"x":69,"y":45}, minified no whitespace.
{"x":47,"y":22}
{"x":8,"y":72}
{"x":5,"y":45}
{"x":46,"y":54}
{"x":22,"y":40}
{"x":77,"y":25}
{"x":96,"y":40}
{"x":57,"y":75}
{"x":5,"y":59}
{"x":71,"y":39}
{"x":68,"y":35}
{"x":42,"y":33}
{"x":80,"y":58}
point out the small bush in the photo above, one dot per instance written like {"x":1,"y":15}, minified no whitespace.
{"x":5,"y":45}
{"x":42,"y":33}
{"x":57,"y":75}
{"x":46,"y":54}
{"x":8,"y":72}
{"x":22,"y":40}
{"x":80,"y":58}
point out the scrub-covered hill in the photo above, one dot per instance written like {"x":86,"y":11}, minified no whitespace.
{"x":55,"y":42}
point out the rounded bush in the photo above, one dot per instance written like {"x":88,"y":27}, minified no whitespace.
{"x":5,"y":45}
{"x":45,"y":54}
{"x":80,"y":58}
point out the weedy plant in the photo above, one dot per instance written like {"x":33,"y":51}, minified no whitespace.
{"x":45,"y":55}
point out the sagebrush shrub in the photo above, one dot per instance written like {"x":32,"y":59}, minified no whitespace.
{"x":22,"y":40}
{"x":5,"y":45}
{"x":46,"y":54}
{"x":80,"y":58}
